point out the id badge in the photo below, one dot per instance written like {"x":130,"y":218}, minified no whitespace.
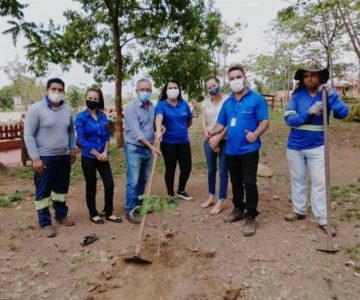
{"x":233,"y":122}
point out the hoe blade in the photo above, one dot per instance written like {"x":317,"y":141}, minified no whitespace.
{"x":136,"y":259}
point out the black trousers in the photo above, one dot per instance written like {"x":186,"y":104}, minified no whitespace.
{"x":173,"y":154}
{"x":243,"y":170}
{"x":89,"y":167}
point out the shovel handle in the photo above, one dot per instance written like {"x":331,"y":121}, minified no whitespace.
{"x":148,"y":191}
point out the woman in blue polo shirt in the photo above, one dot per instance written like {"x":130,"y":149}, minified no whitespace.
{"x":93,"y":138}
{"x":174,"y":114}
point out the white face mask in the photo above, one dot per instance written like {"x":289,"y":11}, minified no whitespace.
{"x":237,"y":85}
{"x":56,"y":97}
{"x":172,"y":93}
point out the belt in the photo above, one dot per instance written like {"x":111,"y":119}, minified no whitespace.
{"x":136,"y":145}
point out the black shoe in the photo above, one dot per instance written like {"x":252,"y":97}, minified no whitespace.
{"x":184,"y":195}
{"x":133,"y":217}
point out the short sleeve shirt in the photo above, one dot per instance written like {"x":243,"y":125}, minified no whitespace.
{"x":240,"y":116}
{"x":175,"y":120}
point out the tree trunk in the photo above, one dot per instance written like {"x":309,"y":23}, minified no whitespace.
{"x":114,"y":11}
{"x":348,"y":29}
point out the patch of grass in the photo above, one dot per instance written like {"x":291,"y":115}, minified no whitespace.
{"x":76,"y":172}
{"x":16,"y":197}
{"x":84,"y":280}
{"x":21,"y":172}
{"x":349,"y":196}
{"x":200,"y":165}
{"x":13,"y":246}
{"x":276,"y":116}
{"x":354,"y":252}
{"x":36,"y":269}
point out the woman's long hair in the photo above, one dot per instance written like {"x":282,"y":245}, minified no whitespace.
{"x":163,"y":94}
{"x":101,"y":97}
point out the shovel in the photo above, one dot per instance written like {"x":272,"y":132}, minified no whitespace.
{"x":136,"y":258}
{"x":330,"y":247}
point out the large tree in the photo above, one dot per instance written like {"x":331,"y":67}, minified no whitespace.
{"x":114,"y":38}
{"x":316,"y":25}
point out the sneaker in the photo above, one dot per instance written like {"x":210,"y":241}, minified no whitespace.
{"x":184,"y":195}
{"x":66,"y":221}
{"x":294,"y":217}
{"x":48,"y":231}
{"x":133,"y":217}
{"x":235,"y":215}
{"x":250,"y":227}
{"x":325,"y":227}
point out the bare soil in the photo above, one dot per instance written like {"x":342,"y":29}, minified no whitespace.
{"x":201,"y":257}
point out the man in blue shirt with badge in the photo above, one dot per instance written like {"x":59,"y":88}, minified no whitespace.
{"x":139,"y":117}
{"x":245,"y":115}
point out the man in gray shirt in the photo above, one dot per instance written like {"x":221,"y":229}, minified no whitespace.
{"x":49,"y":136}
{"x":139,"y":117}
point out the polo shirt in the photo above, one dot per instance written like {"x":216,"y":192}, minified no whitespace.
{"x":241,"y":115}
{"x":175,"y":120}
{"x":91,"y":133}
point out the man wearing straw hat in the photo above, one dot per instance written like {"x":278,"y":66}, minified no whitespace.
{"x":305,"y":147}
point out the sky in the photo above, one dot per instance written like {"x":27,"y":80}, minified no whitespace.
{"x":255,"y":13}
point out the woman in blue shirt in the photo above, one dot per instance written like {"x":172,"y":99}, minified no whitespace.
{"x":174,"y":114}
{"x":93,"y":138}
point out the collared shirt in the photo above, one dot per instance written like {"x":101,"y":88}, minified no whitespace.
{"x":239,"y":116}
{"x":48,"y":102}
{"x":91,"y":133}
{"x":139,"y":122}
{"x":307,"y":130}
{"x":175,"y":120}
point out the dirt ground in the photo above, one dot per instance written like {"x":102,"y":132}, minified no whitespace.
{"x":201,"y":257}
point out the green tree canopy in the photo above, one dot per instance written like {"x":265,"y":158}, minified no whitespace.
{"x":113,"y":39}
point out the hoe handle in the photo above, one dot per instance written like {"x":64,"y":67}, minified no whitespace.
{"x":327,"y":168}
{"x":148,"y":191}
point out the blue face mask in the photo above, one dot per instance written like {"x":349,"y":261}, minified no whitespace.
{"x":214,"y":91}
{"x":144,"y":96}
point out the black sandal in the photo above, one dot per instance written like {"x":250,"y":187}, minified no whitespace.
{"x":113,"y":218}
{"x":97,"y":219}
{"x":88,"y":239}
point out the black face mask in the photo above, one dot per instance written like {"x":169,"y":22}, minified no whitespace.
{"x":92,"y":104}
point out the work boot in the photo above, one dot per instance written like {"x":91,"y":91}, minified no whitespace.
{"x":294,"y":217}
{"x":325,"y":227}
{"x":66,"y":221}
{"x":235,"y":215}
{"x":250,"y":227}
{"x":48,"y":231}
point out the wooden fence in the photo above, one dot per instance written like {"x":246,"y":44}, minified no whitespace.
{"x":11,"y":137}
{"x":276,"y":103}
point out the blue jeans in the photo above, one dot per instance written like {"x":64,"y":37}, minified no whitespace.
{"x":138,"y":164}
{"x":298,"y":161}
{"x":52,"y":184}
{"x":211,"y":159}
